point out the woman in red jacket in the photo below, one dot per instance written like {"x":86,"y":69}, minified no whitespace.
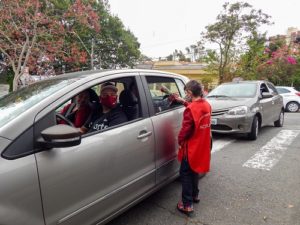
{"x":194,"y":142}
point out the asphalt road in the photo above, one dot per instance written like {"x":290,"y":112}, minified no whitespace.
{"x":251,"y":182}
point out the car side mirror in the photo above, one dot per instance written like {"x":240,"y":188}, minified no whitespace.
{"x":59,"y":136}
{"x":266,"y":95}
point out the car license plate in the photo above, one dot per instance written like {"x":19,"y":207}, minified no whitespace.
{"x":213,"y":121}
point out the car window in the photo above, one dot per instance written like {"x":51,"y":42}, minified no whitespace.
{"x":272,"y":89}
{"x":108,"y":104}
{"x":282,"y":90}
{"x":21,"y":146}
{"x":160,"y":89}
{"x":17,"y":102}
{"x":181,"y":86}
{"x":242,"y":90}
{"x":263,"y":88}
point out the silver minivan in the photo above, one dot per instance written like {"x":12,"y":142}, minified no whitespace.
{"x":52,"y":174}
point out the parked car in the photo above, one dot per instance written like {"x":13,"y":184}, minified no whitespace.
{"x":245,"y":107}
{"x":291,"y":98}
{"x":52,"y":174}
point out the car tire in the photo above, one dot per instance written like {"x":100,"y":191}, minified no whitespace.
{"x":279,"y":122}
{"x":254,"y":129}
{"x":292,"y":107}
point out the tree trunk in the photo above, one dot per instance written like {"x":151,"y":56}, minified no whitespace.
{"x":16,"y":81}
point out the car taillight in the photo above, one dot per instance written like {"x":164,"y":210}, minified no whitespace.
{"x":298,"y":93}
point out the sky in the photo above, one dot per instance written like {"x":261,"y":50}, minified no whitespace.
{"x":162,"y":26}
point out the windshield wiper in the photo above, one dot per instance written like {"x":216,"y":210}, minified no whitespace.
{"x":218,"y":96}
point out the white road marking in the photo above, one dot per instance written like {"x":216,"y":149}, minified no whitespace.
{"x":272,"y":152}
{"x":219,"y":144}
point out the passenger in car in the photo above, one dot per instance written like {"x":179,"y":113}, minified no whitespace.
{"x":108,"y":114}
{"x":78,"y":111}
{"x":194,"y":141}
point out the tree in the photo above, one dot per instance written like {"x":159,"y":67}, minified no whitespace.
{"x":254,"y":56}
{"x":144,"y":58}
{"x":81,"y":22}
{"x":170,"y":57}
{"x":280,"y":67}
{"x":212,"y":60}
{"x":231,"y":28}
{"x":32,"y":32}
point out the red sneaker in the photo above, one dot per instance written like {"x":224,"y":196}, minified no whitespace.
{"x":187,"y":210}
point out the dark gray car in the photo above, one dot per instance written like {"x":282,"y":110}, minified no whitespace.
{"x":51,"y":174}
{"x":245,"y":107}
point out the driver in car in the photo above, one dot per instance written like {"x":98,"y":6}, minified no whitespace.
{"x":109,"y":114}
{"x":77,"y":112}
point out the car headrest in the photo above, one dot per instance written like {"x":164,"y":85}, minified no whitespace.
{"x":93,"y":95}
{"x":127,"y":98}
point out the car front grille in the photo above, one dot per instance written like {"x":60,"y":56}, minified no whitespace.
{"x":219,"y":112}
{"x":220,"y":127}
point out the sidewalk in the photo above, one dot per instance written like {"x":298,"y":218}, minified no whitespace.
{"x":3,"y":89}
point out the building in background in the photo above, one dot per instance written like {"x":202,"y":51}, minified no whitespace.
{"x":195,"y":71}
{"x":291,"y":36}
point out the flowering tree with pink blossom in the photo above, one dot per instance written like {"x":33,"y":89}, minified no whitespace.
{"x":33,"y":31}
{"x":280,"y":66}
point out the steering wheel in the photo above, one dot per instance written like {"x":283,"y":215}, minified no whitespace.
{"x":63,"y":118}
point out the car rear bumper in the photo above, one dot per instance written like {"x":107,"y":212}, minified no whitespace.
{"x":232,"y":124}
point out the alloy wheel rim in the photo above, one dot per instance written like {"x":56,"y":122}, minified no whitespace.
{"x":293,"y":107}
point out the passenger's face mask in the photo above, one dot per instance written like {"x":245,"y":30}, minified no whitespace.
{"x":109,"y":101}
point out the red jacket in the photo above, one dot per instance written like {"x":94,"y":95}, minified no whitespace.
{"x":196,"y":143}
{"x":79,"y":117}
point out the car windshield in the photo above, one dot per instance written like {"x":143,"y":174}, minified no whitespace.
{"x":17,"y":102}
{"x":239,"y":90}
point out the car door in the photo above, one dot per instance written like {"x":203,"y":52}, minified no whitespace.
{"x":108,"y":170}
{"x":19,"y":184}
{"x":267,"y":105}
{"x":277,"y":101}
{"x":166,"y":119}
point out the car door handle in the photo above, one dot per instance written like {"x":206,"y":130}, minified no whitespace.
{"x":144,"y":134}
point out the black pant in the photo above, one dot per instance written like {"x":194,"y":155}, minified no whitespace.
{"x":189,"y":180}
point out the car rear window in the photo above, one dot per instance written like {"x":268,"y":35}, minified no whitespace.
{"x":282,"y":90}
{"x":17,"y":102}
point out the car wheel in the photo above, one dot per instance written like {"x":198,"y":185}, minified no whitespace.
{"x":292,"y":107}
{"x":279,"y":122}
{"x":254,"y":129}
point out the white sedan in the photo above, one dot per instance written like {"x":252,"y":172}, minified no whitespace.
{"x":291,"y":98}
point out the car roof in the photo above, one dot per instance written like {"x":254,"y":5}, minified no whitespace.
{"x":90,"y":74}
{"x":285,"y":87}
{"x":246,"y":82}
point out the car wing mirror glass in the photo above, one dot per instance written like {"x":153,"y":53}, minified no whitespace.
{"x":59,"y":136}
